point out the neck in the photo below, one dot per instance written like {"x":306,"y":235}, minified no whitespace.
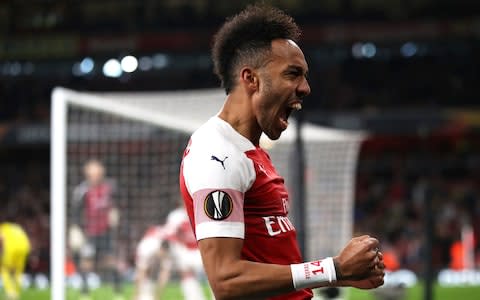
{"x":237,"y":111}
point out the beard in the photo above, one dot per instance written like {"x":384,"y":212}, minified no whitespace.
{"x":268,"y":109}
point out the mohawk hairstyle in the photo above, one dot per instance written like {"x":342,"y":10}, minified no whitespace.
{"x":245,"y":39}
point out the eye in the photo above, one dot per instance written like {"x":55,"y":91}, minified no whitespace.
{"x":296,"y":74}
{"x":293,"y":74}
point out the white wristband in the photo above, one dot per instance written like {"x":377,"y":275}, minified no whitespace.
{"x":313,"y":274}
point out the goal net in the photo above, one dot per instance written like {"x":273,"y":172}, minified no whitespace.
{"x":139,"y":138}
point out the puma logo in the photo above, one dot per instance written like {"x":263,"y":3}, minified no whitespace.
{"x":219,"y":160}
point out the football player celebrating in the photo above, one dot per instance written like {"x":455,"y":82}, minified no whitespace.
{"x":236,"y":201}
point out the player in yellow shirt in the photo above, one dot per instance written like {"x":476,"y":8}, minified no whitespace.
{"x":14,"y":251}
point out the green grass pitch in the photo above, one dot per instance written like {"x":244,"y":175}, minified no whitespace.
{"x":172,"y":292}
{"x":417,"y":293}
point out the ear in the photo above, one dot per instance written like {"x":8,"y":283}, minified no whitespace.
{"x":249,"y":79}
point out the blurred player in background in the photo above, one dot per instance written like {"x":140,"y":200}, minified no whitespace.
{"x":14,"y":251}
{"x":235,"y":199}
{"x":164,"y":249}
{"x":153,"y":264}
{"x":94,"y":222}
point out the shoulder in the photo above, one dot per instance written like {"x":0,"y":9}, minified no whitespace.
{"x":110,"y":182}
{"x":81,"y":189}
{"x":217,"y":154}
{"x":7,"y":226}
{"x":177,"y":215}
{"x":217,"y":141}
{"x":217,"y":132}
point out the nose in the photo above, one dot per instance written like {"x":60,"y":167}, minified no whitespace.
{"x":303,"y":88}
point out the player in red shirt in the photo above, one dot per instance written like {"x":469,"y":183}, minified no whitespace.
{"x":164,"y":248}
{"x":152,"y":264}
{"x":236,"y":201}
{"x":95,"y":218}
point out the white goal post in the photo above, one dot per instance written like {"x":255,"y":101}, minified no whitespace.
{"x":141,"y":135}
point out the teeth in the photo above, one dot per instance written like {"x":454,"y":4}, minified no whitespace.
{"x":297,"y":106}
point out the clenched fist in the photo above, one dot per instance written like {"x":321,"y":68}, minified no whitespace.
{"x":360,"y":263}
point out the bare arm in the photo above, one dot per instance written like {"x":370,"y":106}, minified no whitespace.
{"x":77,"y":203}
{"x":234,"y":278}
{"x":140,"y":277}
{"x":164,"y":272}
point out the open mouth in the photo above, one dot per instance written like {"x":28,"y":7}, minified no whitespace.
{"x":288,"y":111}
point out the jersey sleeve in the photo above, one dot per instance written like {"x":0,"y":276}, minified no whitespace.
{"x":217,"y":176}
{"x":77,"y":203}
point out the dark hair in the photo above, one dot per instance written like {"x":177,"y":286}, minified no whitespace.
{"x":246,"y":39}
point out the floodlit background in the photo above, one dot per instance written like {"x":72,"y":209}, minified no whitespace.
{"x":406,"y":72}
